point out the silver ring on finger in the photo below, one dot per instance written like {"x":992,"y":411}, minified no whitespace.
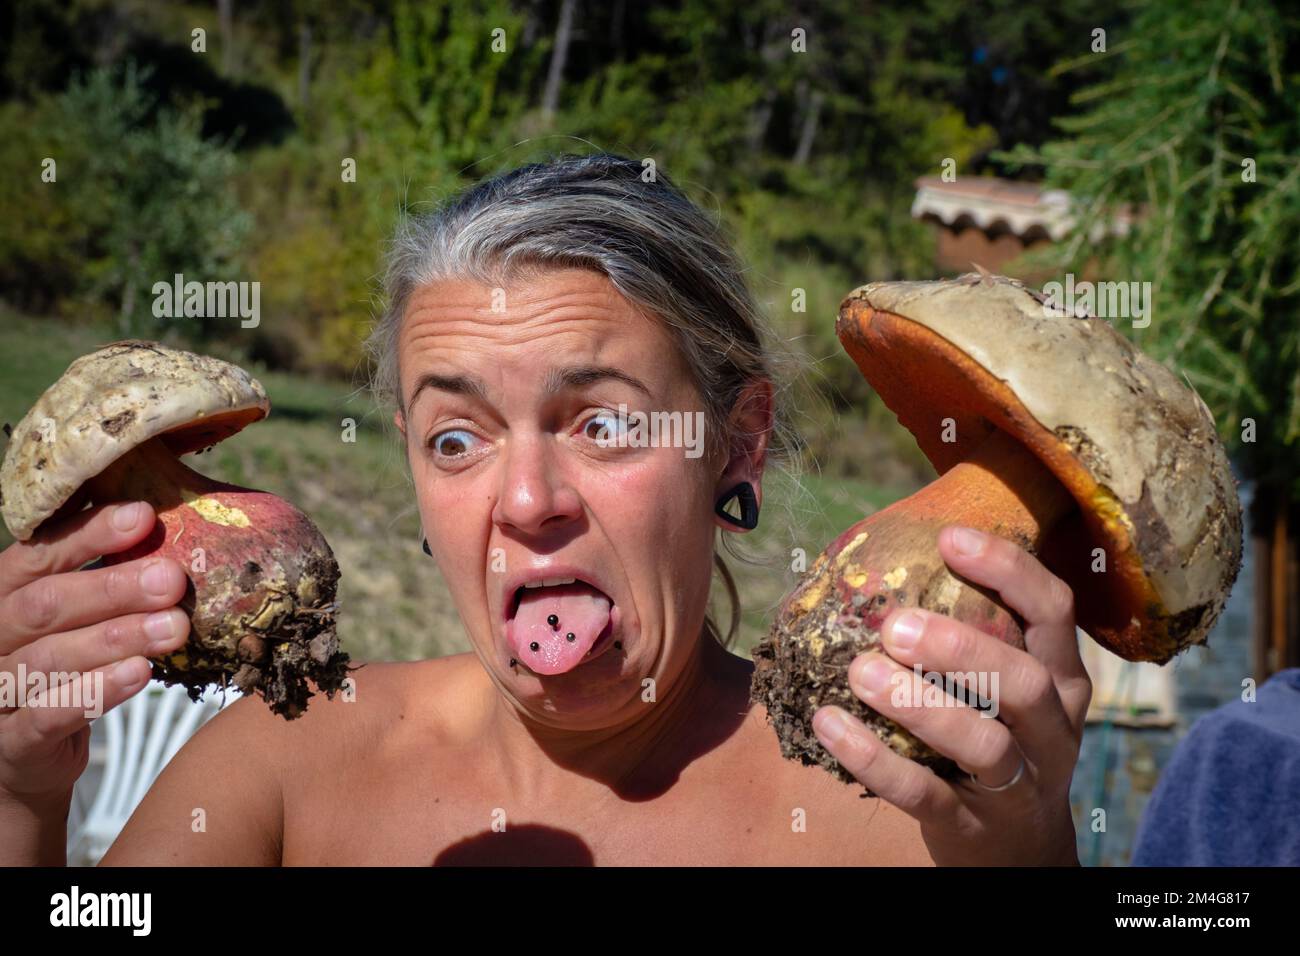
{"x":1020,"y":772}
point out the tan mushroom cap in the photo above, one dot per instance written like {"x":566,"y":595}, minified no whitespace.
{"x":106,"y":404}
{"x":1135,"y":447}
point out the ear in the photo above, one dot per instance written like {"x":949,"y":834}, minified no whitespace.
{"x":400,"y":421}
{"x":750,"y":426}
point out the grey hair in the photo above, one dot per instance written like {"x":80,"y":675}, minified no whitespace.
{"x":600,"y":212}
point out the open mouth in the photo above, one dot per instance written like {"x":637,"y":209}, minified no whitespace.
{"x":555,"y":625}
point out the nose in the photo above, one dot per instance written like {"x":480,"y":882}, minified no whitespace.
{"x":535,"y":497}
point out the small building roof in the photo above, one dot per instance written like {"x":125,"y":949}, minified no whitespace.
{"x":996,"y":206}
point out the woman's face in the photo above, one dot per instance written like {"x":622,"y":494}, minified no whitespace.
{"x":527,"y":475}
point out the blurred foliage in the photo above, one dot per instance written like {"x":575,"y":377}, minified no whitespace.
{"x":136,"y":196}
{"x":802,"y":127}
{"x":1197,"y":127}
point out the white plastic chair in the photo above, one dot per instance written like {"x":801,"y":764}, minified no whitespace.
{"x":130,"y":745}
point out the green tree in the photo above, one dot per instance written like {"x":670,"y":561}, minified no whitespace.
{"x":1197,"y":128}
{"x":139,"y":196}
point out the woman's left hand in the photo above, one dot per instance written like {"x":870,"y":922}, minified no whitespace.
{"x":1043,"y":694}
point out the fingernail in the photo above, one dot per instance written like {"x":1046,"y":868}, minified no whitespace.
{"x":130,"y":673}
{"x":968,"y":541}
{"x":906,"y":630}
{"x":830,"y":726}
{"x":156,"y":579}
{"x":126,"y":517}
{"x":874,"y":676}
{"x":162,"y":628}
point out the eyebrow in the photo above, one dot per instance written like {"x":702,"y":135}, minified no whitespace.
{"x":557,"y":380}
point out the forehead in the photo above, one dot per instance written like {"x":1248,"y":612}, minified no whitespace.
{"x":511,"y":332}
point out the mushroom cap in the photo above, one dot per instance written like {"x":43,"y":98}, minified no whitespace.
{"x":1135,"y":447}
{"x":106,"y":404}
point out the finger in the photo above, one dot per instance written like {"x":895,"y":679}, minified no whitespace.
{"x":81,"y":598}
{"x":978,"y":744}
{"x":1008,"y":684}
{"x":47,"y":719}
{"x":1036,"y":594}
{"x":1076,"y":694}
{"x":912,"y":788}
{"x":67,"y":544}
{"x":60,"y":656}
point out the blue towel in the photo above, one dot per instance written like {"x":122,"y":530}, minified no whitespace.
{"x":1231,"y":793}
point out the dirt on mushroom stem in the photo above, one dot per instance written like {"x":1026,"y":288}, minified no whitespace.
{"x":261,"y":597}
{"x":891,"y":560}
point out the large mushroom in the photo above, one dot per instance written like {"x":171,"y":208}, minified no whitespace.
{"x":1048,"y":429}
{"x":262,"y":577}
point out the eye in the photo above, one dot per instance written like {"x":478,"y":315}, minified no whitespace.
{"x":605,"y":428}
{"x":452,"y":443}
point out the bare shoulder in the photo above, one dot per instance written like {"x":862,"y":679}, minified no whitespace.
{"x":798,"y":815}
{"x":217,"y":802}
{"x":384,"y":699}
{"x":221,"y":800}
{"x":824,"y":821}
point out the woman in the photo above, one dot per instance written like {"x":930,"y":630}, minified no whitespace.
{"x":599,"y":719}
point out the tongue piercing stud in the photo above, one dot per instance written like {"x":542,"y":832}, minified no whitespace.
{"x":571,"y":636}
{"x":533,"y":646}
{"x":554,"y":621}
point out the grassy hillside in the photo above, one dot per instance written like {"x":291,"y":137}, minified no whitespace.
{"x":394,"y":602}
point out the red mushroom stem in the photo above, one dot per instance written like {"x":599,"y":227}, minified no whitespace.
{"x":1003,"y":488}
{"x":890,"y":559}
{"x":263,"y":578}
{"x":151,"y":473}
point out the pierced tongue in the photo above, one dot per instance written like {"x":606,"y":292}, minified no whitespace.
{"x":581,"y":610}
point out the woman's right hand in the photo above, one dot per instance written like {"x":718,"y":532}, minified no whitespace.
{"x":70,"y":625}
